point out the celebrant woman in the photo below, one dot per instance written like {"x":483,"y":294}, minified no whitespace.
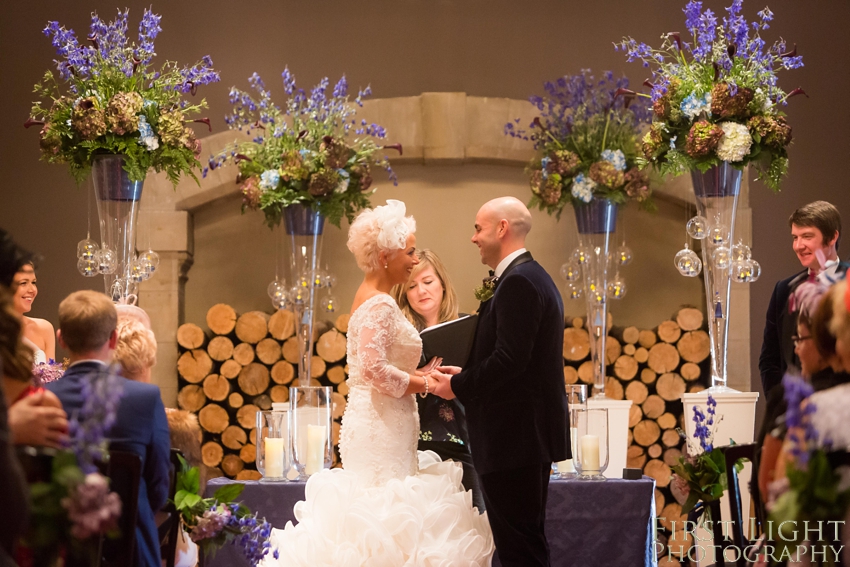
{"x":38,"y":333}
{"x":427,"y":299}
{"x":389,"y":505}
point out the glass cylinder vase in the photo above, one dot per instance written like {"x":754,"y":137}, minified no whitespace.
{"x":591,"y":452}
{"x":273,"y":444}
{"x":117,"y":198}
{"x":576,"y":398}
{"x":310,"y":415}
{"x":716,"y":192}
{"x":596,"y":222}
{"x":304,"y":227}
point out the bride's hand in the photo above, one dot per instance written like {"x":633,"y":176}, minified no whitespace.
{"x":441,"y":385}
{"x":432,"y":364}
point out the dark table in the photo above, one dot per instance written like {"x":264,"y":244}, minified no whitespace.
{"x":588,"y":524}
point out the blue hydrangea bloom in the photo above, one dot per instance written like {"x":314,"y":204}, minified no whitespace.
{"x":615,"y":158}
{"x":582,"y":188}
{"x":269,"y":179}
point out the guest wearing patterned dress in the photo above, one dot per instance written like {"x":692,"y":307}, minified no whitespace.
{"x":428,"y":299}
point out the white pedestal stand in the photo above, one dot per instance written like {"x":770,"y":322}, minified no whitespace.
{"x":738,"y":411}
{"x":618,"y":433}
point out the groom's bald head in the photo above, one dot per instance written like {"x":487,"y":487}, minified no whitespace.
{"x":501,"y":226}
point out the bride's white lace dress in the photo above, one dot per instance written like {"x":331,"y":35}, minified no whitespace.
{"x":388,"y":506}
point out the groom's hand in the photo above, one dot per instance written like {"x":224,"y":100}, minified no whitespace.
{"x":443,"y":387}
{"x":450,"y":370}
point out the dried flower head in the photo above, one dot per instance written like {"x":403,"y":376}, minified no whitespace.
{"x":122,"y":111}
{"x":605,"y":173}
{"x":703,"y":138}
{"x":728,"y":105}
{"x":88,"y":119}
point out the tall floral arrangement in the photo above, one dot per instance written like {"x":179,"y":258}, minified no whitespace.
{"x":311,"y":151}
{"x":586,"y":135}
{"x":700,"y":475}
{"x":214,"y":522}
{"x":73,"y":505}
{"x":110,"y":99}
{"x":716,"y":98}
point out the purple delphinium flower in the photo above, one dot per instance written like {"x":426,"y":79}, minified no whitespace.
{"x":200,"y":73}
{"x":797,"y":417}
{"x":101,"y":394}
{"x":148,"y":30}
{"x":92,"y":507}
{"x":46,"y":372}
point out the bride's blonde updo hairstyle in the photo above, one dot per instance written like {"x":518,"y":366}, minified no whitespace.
{"x":382,"y":229}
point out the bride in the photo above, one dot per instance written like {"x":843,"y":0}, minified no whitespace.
{"x":39,"y":335}
{"x":388,"y":506}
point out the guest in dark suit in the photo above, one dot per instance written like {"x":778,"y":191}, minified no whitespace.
{"x":87,"y":323}
{"x":513,"y":385}
{"x":816,"y":231}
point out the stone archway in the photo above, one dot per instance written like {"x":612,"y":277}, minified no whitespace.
{"x":434,"y":129}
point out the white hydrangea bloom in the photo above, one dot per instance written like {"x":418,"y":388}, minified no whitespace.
{"x":735,"y":143}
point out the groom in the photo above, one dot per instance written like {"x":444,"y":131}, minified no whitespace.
{"x":513,"y":385}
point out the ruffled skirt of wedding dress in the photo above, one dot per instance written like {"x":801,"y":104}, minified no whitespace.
{"x":426,"y":520}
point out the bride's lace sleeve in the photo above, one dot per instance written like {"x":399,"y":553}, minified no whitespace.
{"x":376,"y":335}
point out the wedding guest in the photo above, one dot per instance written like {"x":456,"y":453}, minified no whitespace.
{"x":427,"y":299}
{"x":39,"y":334}
{"x":135,"y":349}
{"x":840,"y":323}
{"x":815,"y":232}
{"x":87,"y":329}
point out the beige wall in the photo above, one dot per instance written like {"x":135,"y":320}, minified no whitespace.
{"x":234,"y":254}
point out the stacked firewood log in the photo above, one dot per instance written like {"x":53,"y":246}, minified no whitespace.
{"x":245,"y":362}
{"x":242,"y":365}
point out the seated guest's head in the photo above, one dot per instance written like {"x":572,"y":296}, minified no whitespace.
{"x":840,"y":322}
{"x":815,"y":227}
{"x":135,"y":350}
{"x":822,"y":336}
{"x":127,"y":311}
{"x":87,"y":321}
{"x":428,"y":297}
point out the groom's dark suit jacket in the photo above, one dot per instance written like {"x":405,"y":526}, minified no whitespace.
{"x":513,"y":384}
{"x":141,"y":428}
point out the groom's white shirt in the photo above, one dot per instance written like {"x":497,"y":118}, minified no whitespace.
{"x":506,"y":261}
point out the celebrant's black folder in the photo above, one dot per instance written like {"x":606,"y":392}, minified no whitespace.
{"x":451,"y":341}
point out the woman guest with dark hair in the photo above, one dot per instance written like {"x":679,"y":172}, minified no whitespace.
{"x":39,"y":334}
{"x":428,"y":299}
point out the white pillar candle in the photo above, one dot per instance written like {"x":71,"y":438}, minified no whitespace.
{"x":567,"y":465}
{"x":317,"y":436}
{"x":274,"y":455}
{"x":590,"y":454}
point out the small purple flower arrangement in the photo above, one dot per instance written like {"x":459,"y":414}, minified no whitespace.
{"x":74,"y":505}
{"x":816,"y":492}
{"x":214,"y":522}
{"x":46,"y":372}
{"x":116,"y":102}
{"x":587,"y":138}
{"x":312,"y":151}
{"x":716,"y":99}
{"x":700,"y":475}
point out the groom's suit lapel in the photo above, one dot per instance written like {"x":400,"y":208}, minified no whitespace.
{"x":521,"y":259}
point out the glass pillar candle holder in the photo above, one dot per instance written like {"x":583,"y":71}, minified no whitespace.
{"x":310,"y":414}
{"x":273,"y":442}
{"x":591,"y":450}
{"x":576,"y":398}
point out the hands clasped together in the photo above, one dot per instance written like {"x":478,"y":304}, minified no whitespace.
{"x":439,"y":378}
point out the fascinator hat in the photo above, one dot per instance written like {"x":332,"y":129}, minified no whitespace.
{"x":384,"y":228}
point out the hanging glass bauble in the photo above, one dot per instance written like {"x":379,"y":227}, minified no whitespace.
{"x":303,"y":282}
{"x":742,"y":271}
{"x":616,"y":288}
{"x":741,"y":252}
{"x":688,"y":263}
{"x":623,"y":255}
{"x":107,"y":261}
{"x":756,"y":268}
{"x":298,"y":295}
{"x":718,"y":235}
{"x":721,"y":257}
{"x":328,"y":304}
{"x":598,"y":296}
{"x":147,"y":266}
{"x":319,"y":279}
{"x":571,"y":271}
{"x":581,"y":255}
{"x":137,"y":272}
{"x":150,"y":259}
{"x":697,"y":227}
{"x":279,"y":301}
{"x":88,"y":268}
{"x":573,"y":290}
{"x":86,"y":249}
{"x":276,"y":289}
{"x":330,"y":280}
